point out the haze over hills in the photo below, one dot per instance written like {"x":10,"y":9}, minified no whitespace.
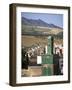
{"x":39,"y":27}
{"x":38,"y":22}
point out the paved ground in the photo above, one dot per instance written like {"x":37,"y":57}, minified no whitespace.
{"x":32,"y":71}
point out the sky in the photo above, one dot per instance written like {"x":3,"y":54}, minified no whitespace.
{"x":56,"y":19}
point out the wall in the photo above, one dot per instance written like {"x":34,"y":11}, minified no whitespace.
{"x":4,"y":45}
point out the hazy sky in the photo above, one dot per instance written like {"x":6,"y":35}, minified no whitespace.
{"x":56,"y":19}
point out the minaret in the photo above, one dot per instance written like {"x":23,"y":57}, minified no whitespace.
{"x":50,"y":45}
{"x":47,"y":59}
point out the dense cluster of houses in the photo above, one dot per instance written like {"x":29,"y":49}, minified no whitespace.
{"x":40,"y":50}
{"x":58,"y":49}
{"x":35,"y":51}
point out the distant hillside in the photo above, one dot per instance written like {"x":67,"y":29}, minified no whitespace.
{"x":38,"y":22}
{"x":60,"y":34}
{"x":40,"y":28}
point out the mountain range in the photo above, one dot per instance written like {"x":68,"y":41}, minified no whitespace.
{"x":38,"y":22}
